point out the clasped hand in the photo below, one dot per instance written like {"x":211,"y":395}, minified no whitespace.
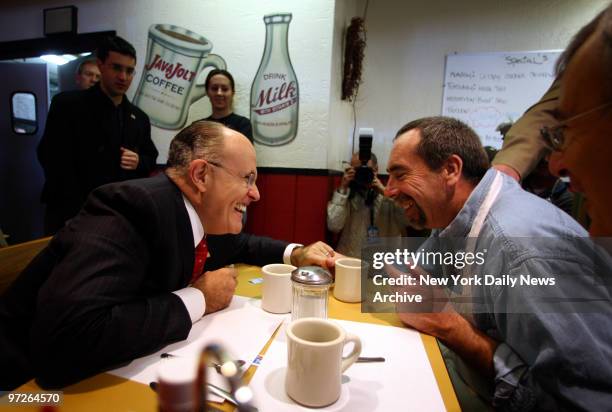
{"x":129,"y":159}
{"x":218,"y":287}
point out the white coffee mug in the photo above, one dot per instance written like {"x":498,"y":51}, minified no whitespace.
{"x":276,"y":290}
{"x":315,"y":362}
{"x":348,"y":280}
{"x":175,"y":58}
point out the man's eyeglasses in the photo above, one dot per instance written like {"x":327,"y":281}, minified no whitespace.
{"x":555,"y":136}
{"x":250,"y":179}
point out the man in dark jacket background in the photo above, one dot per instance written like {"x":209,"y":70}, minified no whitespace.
{"x":93,"y":137}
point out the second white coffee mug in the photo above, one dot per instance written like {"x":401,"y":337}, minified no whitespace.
{"x":315,"y":362}
{"x":276,"y":289}
{"x":348,"y":280}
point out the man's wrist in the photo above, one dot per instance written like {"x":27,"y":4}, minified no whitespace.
{"x":509,"y":170}
{"x":445,"y":327}
{"x":289,"y":253}
{"x":194,"y":302}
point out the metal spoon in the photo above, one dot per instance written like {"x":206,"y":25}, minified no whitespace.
{"x":370,"y":360}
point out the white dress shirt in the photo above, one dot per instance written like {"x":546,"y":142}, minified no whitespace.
{"x":193,"y":298}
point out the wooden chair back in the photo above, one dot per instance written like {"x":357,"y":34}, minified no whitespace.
{"x":14,"y":259}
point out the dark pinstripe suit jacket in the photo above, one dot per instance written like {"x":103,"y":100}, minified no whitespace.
{"x":100,"y":293}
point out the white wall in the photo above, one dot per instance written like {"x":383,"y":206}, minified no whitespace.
{"x":404,"y":64}
{"x":408,"y":40}
{"x":340,"y":112}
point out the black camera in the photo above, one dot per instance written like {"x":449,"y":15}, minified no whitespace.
{"x":364,"y":175}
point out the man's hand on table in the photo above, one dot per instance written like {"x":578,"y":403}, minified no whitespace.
{"x":218,"y":287}
{"x":318,"y":253}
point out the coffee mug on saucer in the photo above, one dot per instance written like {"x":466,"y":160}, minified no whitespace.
{"x":314,"y":360}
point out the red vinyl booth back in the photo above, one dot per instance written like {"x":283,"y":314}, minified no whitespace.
{"x":292,"y":205}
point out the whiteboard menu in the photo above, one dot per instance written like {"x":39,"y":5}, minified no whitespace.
{"x":487,"y":89}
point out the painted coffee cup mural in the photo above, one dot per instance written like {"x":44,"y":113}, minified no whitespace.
{"x":175,"y":58}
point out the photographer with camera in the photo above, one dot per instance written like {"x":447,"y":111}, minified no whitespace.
{"x":358,"y":209}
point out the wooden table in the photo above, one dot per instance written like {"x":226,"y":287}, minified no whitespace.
{"x":105,"y":392}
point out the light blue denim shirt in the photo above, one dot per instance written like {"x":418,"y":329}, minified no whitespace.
{"x":549,"y":357}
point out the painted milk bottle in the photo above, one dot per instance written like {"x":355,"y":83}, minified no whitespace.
{"x":274,"y":92}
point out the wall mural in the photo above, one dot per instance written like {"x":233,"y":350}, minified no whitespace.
{"x":274,"y":92}
{"x":175,"y":58}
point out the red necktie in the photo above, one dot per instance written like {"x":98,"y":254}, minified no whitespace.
{"x":201,"y":252}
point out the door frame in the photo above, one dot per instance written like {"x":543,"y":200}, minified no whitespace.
{"x":55,"y":44}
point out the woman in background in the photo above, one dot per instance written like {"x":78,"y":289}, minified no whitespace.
{"x":220,"y":90}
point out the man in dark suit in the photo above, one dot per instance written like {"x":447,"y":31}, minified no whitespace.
{"x":121,"y":279}
{"x":93,"y":137}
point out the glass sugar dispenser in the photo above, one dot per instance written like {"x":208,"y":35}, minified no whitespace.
{"x":310,"y":286}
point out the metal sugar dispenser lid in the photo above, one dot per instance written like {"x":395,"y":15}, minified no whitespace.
{"x":312,"y":276}
{"x":310,"y":286}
